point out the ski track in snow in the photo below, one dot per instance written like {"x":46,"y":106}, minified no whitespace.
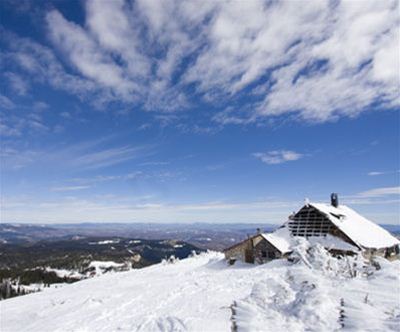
{"x":196,"y":294}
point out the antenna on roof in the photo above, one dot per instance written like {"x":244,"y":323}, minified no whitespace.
{"x":334,"y":200}
{"x":306,"y":201}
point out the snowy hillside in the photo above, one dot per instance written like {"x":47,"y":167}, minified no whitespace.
{"x":202,"y":293}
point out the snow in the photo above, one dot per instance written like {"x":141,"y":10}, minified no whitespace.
{"x":280,"y":239}
{"x":362,"y":231}
{"x":206,"y":239}
{"x":108,"y":242}
{"x":65,"y":273}
{"x":329,"y":295}
{"x":100,"y":266}
{"x":332,"y":242}
{"x":317,"y":293}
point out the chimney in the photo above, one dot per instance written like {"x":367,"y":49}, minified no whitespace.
{"x":258,"y":231}
{"x":334,"y":200}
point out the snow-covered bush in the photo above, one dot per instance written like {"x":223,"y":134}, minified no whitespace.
{"x":171,"y":260}
{"x":316,"y":257}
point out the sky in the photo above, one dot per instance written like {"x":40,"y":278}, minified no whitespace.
{"x":197,"y":111}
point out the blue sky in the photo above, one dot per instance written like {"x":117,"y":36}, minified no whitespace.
{"x":228,"y":111}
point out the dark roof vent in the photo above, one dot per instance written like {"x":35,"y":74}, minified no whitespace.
{"x":334,"y":200}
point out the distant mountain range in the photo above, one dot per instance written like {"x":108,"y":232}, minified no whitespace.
{"x":202,"y":235}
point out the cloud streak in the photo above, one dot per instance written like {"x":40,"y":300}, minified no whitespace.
{"x":146,"y":209}
{"x":375,"y":173}
{"x":278,"y":156}
{"x":316,"y":61}
{"x":69,"y":188}
{"x":380,"y":192}
{"x":83,"y":156}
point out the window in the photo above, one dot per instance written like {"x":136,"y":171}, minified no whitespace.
{"x":263,"y":254}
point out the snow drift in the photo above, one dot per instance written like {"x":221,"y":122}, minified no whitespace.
{"x":312,"y":292}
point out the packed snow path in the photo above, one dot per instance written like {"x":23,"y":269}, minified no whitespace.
{"x":197,"y":294}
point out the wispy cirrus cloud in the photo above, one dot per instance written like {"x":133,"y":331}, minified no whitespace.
{"x":155,"y":163}
{"x":161,"y":176}
{"x":85,"y":54}
{"x":278,"y":156}
{"x":380,"y":192}
{"x":15,"y":125}
{"x":40,"y":65}
{"x":106,"y":157}
{"x":223,"y":51}
{"x":376,"y":173}
{"x":69,"y":188}
{"x":6,"y":102}
{"x":18,"y":84}
{"x":83,"y":156}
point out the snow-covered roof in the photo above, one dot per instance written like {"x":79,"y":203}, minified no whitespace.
{"x":281,"y":239}
{"x":362,"y":231}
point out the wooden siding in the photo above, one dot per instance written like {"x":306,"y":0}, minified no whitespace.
{"x":237,"y":252}
{"x":265,"y":252}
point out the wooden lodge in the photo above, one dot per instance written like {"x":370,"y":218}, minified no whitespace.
{"x":338,"y":228}
{"x":256,"y":249}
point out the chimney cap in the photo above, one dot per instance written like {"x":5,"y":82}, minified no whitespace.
{"x":334,"y":199}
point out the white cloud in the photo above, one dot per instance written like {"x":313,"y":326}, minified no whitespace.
{"x":39,"y":64}
{"x":375,"y":173}
{"x":18,"y":84}
{"x":278,"y":156}
{"x":6,"y":103}
{"x":155,"y":163}
{"x":106,"y":157}
{"x":69,"y":188}
{"x":40,"y":106}
{"x":140,"y":209}
{"x":86,"y":56}
{"x":135,"y":175}
{"x":83,"y":156}
{"x":112,"y":23}
{"x":323,"y":58}
{"x":8,"y":131}
{"x":379,"y":192}
{"x":316,"y":60}
{"x":111,"y":208}
{"x":16,"y":124}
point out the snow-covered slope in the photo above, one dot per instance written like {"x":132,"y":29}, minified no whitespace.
{"x":202,"y":293}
